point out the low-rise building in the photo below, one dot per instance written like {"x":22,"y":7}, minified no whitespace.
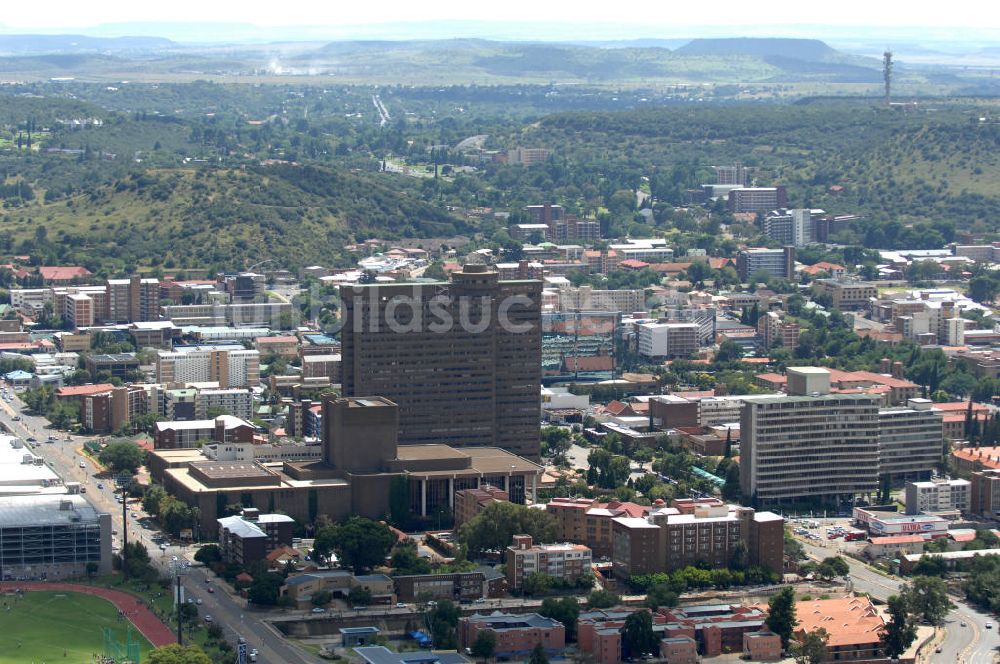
{"x":567,"y":562}
{"x":470,"y":502}
{"x":854,"y":624}
{"x":516,"y":634}
{"x":300,"y":588}
{"x":968,"y":460}
{"x":846,"y":295}
{"x":456,"y":586}
{"x":894,"y":546}
{"x":938,"y":496}
{"x":223,"y":429}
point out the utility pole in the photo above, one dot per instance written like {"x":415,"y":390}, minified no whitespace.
{"x":180,"y":599}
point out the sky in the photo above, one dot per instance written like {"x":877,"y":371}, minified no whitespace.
{"x":73,"y":14}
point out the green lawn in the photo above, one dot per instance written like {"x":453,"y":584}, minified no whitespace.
{"x":42,"y":626}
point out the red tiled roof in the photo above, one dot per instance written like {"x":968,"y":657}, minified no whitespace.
{"x":633,"y":263}
{"x":696,"y":394}
{"x":84,"y":390}
{"x":63,"y":273}
{"x":596,"y":363}
{"x":898,"y":539}
{"x":287,"y":339}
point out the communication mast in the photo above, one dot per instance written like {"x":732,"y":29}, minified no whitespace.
{"x":887,"y":75}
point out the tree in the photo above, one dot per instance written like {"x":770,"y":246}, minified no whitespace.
{"x":485,"y":644}
{"x":927,"y":598}
{"x":637,"y":634}
{"x":443,"y":620}
{"x":405,"y":560}
{"x":538,"y":655}
{"x":602,"y":599}
{"x":399,"y":501}
{"x":123,"y":455}
{"x":321,"y":598}
{"x":208,"y":555}
{"x":566,"y":610}
{"x":494,"y":528}
{"x":175,"y":654}
{"x":781,"y":615}
{"x":660,"y":594}
{"x":359,"y":542}
{"x":92,"y":568}
{"x":359,"y":596}
{"x":265,"y":589}
{"x":900,"y":631}
{"x":811,"y":648}
{"x":152,"y":498}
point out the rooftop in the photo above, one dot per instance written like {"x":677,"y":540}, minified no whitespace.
{"x":45,"y":510}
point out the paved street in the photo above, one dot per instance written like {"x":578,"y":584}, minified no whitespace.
{"x":227,"y":610}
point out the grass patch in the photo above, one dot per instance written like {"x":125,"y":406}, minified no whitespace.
{"x":55,"y":626}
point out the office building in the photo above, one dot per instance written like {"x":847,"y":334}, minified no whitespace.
{"x":701,"y":533}
{"x":778,"y":263}
{"x":117,"y":365}
{"x":661,"y":341}
{"x":516,"y":634}
{"x":938,"y":496}
{"x":567,"y":562}
{"x":350,"y":478}
{"x":911,"y":441}
{"x":229,"y":366}
{"x":528,"y":156}
{"x":460,"y":375}
{"x":237,"y":402}
{"x":737,"y":174}
{"x":757,"y":199}
{"x":809,"y":445}
{"x":790,"y":227}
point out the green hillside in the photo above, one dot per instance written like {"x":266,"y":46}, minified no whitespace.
{"x":199,"y":217}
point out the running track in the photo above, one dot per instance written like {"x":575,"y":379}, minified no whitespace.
{"x":144,"y":620}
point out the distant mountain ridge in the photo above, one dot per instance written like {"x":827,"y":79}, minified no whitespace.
{"x":41,"y":44}
{"x":807,"y":50}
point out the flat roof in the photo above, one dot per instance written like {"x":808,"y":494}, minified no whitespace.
{"x":45,"y":510}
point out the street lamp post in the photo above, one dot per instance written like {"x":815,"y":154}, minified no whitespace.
{"x":124,"y":481}
{"x":177,"y":568}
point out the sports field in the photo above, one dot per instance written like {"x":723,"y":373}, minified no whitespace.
{"x":40,"y":627}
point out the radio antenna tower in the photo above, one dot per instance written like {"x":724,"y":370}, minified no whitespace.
{"x":887,"y":75}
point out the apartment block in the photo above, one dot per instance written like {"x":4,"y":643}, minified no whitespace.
{"x":230,"y":366}
{"x":237,"y":402}
{"x":132,"y":300}
{"x":736,"y":174}
{"x":775,"y":262}
{"x":810,"y":444}
{"x":938,"y":496}
{"x":984,"y":494}
{"x":587,"y":521}
{"x":790,"y":227}
{"x":704,"y":533}
{"x":250,"y":536}
{"x":911,"y":441}
{"x":460,"y":374}
{"x":846,"y":295}
{"x":79,"y":310}
{"x":660,"y":341}
{"x":774,"y":331}
{"x":561,"y":561}
{"x":470,"y":502}
{"x":586,"y":298}
{"x":757,"y":199}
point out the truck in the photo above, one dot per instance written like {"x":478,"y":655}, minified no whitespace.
{"x":854,"y":535}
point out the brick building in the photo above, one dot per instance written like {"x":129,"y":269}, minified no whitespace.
{"x":470,"y":502}
{"x":516,"y":635}
{"x":561,"y":561}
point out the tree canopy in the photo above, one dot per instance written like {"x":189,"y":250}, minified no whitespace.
{"x":360,"y":543}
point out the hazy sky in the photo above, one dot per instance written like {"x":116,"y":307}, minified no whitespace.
{"x":61,"y":14}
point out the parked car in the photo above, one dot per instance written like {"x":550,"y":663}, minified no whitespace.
{"x":208,"y":619}
{"x":318,"y":610}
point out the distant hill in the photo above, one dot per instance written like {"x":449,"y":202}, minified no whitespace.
{"x":297,"y":215}
{"x":38,"y":44}
{"x":807,"y":50}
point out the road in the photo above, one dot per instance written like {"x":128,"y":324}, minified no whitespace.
{"x":972,"y":644}
{"x":228,"y":610}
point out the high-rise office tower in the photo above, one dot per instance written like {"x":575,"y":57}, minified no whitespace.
{"x":461,"y":359}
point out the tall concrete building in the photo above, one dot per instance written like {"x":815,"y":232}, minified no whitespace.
{"x":911,"y":441}
{"x":461,"y":359}
{"x":809,"y":445}
{"x":757,"y":199}
{"x":133,"y":299}
{"x":776,"y":262}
